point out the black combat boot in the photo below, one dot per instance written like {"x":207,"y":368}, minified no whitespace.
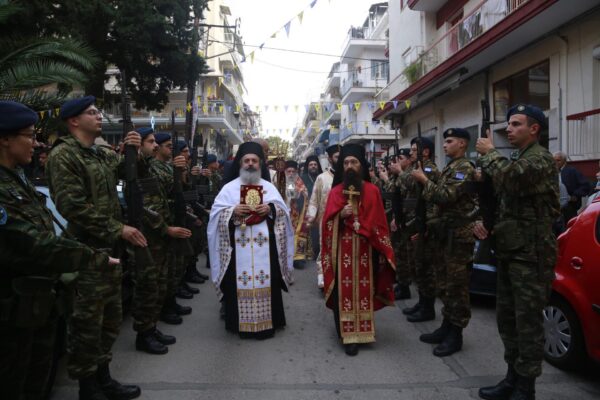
{"x":90,"y":390}
{"x":524,"y":390}
{"x":193,"y":276}
{"x":451,"y":343}
{"x":168,"y":314}
{"x":402,"y":292}
{"x":351,"y":349}
{"x":437,"y":336}
{"x":164,"y":339}
{"x":425,"y":313}
{"x":189,"y":288}
{"x":112,"y":389}
{"x":147,"y":342}
{"x":413,"y":309}
{"x":503,"y":389}
{"x":182,"y":293}
{"x":181,"y":310}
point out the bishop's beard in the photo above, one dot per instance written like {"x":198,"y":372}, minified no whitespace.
{"x":353,"y":178}
{"x":250,"y":176}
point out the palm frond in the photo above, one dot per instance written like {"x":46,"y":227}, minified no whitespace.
{"x":71,"y":51}
{"x":36,"y":99}
{"x":35,"y":74}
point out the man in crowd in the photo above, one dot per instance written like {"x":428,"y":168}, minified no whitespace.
{"x":527,"y":189}
{"x":454,"y":196}
{"x":318,"y":201}
{"x":577,"y":185}
{"x":355,"y":234}
{"x":296,"y":197}
{"x":251,"y":248}
{"x":82,"y":178}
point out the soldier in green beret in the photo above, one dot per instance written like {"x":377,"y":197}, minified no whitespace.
{"x":33,"y":259}
{"x":527,"y":188}
{"x":455,"y":211}
{"x":82,"y":178}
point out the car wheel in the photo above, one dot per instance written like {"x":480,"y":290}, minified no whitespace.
{"x":564,"y":345}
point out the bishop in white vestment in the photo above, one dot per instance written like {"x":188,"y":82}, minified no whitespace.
{"x":251,"y":248}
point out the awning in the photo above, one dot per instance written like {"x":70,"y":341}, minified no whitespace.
{"x":324,"y":136}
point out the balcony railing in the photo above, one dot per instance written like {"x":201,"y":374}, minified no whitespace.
{"x":216,"y":109}
{"x":583,"y":140}
{"x":481,"y":19}
{"x":363,"y":79}
{"x":359,"y":128}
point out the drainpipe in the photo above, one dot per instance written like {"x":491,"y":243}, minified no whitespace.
{"x":562,"y":72}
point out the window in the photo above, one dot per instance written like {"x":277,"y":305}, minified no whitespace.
{"x":531,"y":86}
{"x":379,"y":70}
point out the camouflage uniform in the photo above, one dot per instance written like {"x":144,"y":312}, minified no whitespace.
{"x":527,"y":186}
{"x":403,"y":250}
{"x":151,"y":284}
{"x":83,"y":185}
{"x":453,"y":232}
{"x":424,"y":275}
{"x":30,"y":248}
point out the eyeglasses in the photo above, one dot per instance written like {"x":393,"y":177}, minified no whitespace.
{"x":93,"y":113}
{"x":30,"y":136}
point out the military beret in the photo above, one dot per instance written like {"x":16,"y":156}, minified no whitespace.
{"x":211,"y":158}
{"x":145,"y":131}
{"x":425,"y":142}
{"x":15,"y":116}
{"x":222,"y":162}
{"x":457,"y":133}
{"x":74,"y":107}
{"x":162,"y":137}
{"x":291,"y":164}
{"x":331,"y":150}
{"x":530,"y":111}
{"x":404,"y":152}
{"x":181,"y":144}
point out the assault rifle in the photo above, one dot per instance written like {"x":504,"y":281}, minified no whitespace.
{"x":421,"y":207}
{"x":134,"y":195}
{"x":397,"y":201}
{"x":181,"y":246}
{"x":487,"y":201}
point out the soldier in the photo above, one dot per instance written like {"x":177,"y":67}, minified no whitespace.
{"x":33,"y":257}
{"x":162,"y":169}
{"x":423,"y":248}
{"x":456,"y":206}
{"x":82,"y":178}
{"x":151,"y":283}
{"x":527,"y":187}
{"x":399,"y":169}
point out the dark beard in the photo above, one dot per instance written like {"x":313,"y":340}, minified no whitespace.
{"x":353,"y":178}
{"x":314,"y":174}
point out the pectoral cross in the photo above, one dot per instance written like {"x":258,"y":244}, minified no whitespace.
{"x":351,"y":192}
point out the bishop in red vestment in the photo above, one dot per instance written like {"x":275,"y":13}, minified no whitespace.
{"x":357,"y":257}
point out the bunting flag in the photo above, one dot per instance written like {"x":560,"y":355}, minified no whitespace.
{"x":317,"y":107}
{"x":407,"y":103}
{"x":300,"y":16}
{"x":285,"y":107}
{"x":262,"y":45}
{"x":312,"y":4}
{"x":189,"y":107}
{"x":266,"y":108}
{"x":221,"y":109}
{"x":395,"y":103}
{"x":273,"y":36}
{"x":339,"y":106}
{"x":287,"y":28}
{"x":252,"y":57}
{"x":220,"y":81}
{"x":357,"y":106}
{"x":382,"y":105}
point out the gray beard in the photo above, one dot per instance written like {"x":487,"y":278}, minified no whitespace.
{"x":249,"y":177}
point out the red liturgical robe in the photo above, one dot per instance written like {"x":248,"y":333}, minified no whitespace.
{"x":363,"y":284}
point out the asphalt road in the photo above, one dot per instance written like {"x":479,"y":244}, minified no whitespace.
{"x":307,"y":361}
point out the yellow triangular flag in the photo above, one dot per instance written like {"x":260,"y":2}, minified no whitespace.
{"x":198,"y":99}
{"x":275,"y":108}
{"x":296,"y":108}
{"x":382,"y":104}
{"x":252,"y":57}
{"x":300,"y":16}
{"x":237,"y":108}
{"x":339,"y":106}
{"x":189,"y":107}
{"x":220,"y":81}
{"x":407,"y":103}
{"x":43,"y":113}
{"x":209,"y":91}
{"x":257,"y":108}
{"x":317,"y":107}
{"x":220,"y":108}
{"x":350,"y":125}
{"x":204,"y":109}
{"x":357,"y":106}
{"x":273,"y":36}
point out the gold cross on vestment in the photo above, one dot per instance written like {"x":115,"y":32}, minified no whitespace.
{"x":351,"y":192}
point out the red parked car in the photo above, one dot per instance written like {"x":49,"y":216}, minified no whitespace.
{"x":572,"y":319}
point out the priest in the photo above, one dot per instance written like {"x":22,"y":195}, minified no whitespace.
{"x":356,"y":252}
{"x":251,"y":247}
{"x":296,"y":198}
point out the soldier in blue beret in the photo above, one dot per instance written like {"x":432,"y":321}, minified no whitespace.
{"x":162,"y":137}
{"x":526,"y":186}
{"x":145,"y":131}
{"x":33,"y":258}
{"x":74,"y":107}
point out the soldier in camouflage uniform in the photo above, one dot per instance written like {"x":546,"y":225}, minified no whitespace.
{"x":528,"y":193}
{"x":33,"y":259}
{"x":398,"y":168}
{"x":456,"y":205}
{"x":151,"y":283}
{"x":424,"y":248}
{"x":162,"y":168}
{"x":82,"y":178}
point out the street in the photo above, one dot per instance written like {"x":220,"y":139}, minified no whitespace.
{"x":307,"y":361}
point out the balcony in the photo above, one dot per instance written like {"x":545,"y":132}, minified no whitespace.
{"x":490,"y":32}
{"x":358,"y":132}
{"x":358,"y":41}
{"x":582,"y":138}
{"x":426,"y":5}
{"x":362,"y":84}
{"x":220,"y":115}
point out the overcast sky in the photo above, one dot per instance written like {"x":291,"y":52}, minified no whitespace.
{"x":271,"y":79}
